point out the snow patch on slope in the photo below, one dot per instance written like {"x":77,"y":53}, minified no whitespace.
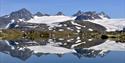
{"x":8,"y":25}
{"x":103,"y":17}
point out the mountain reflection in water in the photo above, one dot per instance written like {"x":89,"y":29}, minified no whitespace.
{"x":25,"y":48}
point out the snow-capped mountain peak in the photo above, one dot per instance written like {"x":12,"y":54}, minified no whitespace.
{"x":92,"y":15}
{"x":24,"y":17}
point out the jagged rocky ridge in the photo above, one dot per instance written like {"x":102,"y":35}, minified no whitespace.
{"x":90,"y":15}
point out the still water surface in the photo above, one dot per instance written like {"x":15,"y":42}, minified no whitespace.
{"x":61,"y":50}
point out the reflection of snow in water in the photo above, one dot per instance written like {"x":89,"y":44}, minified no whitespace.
{"x":54,"y":48}
{"x":110,"y":45}
{"x":50,"y":49}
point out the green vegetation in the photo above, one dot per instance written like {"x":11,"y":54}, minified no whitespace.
{"x":62,"y":34}
{"x":34,"y":35}
{"x":117,"y":36}
{"x":91,"y":35}
{"x":11,"y":34}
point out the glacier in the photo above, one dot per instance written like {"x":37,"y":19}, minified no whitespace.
{"x":109,"y":24}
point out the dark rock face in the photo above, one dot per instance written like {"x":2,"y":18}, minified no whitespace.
{"x":83,"y":17}
{"x":21,"y":14}
{"x":83,"y":26}
{"x":4,"y":22}
{"x":5,"y":16}
{"x":88,"y":16}
{"x":38,"y":14}
{"x":59,"y":13}
{"x":12,"y":25}
{"x":91,"y":15}
{"x":78,"y":13}
{"x":7,"y":23}
{"x":46,"y":15}
{"x":105,"y":15}
{"x":124,"y":29}
{"x":90,"y":25}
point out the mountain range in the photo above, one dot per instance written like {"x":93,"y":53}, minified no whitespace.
{"x":80,"y":21}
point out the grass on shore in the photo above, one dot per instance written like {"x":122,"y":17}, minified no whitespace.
{"x":10,"y":34}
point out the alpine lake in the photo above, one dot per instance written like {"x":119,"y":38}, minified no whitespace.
{"x":61,"y":47}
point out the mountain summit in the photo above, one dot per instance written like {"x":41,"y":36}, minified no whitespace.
{"x":21,"y":14}
{"x":92,"y":15}
{"x":38,"y":14}
{"x":78,"y":13}
{"x":59,"y":13}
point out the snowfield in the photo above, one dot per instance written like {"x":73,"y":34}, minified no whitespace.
{"x":111,"y":24}
{"x":50,"y":19}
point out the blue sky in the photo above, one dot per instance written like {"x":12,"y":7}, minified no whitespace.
{"x":114,"y":8}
